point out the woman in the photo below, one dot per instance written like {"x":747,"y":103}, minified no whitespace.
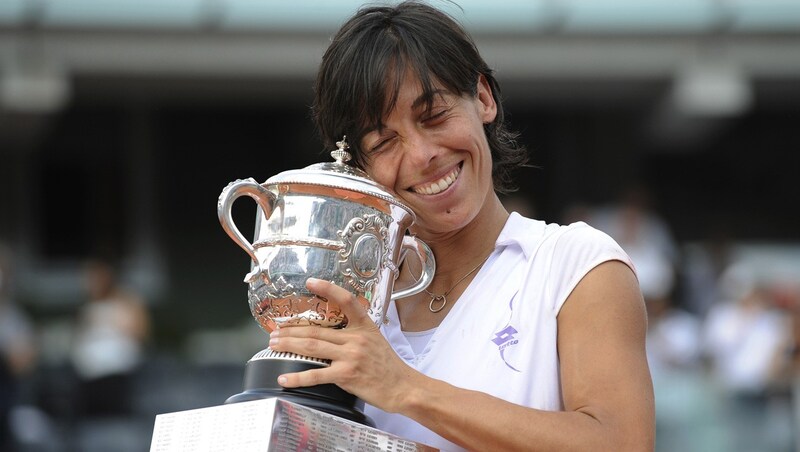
{"x":531,"y":335}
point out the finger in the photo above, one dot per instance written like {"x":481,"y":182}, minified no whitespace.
{"x":308,"y":339}
{"x":355,"y":308}
{"x":306,"y":378}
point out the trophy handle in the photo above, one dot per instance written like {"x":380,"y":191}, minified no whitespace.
{"x":231,"y":193}
{"x":423,"y":251}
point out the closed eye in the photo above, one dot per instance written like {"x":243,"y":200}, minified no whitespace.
{"x":433,"y":118}
{"x":380,"y":144}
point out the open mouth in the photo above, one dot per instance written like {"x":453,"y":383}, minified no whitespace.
{"x":439,"y":185}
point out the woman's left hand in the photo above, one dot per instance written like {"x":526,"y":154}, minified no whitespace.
{"x":363,"y":362}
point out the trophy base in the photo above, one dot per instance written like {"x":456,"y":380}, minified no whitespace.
{"x":261,"y":382}
{"x":270,"y":425}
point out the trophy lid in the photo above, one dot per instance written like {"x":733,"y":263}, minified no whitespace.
{"x":338,"y":175}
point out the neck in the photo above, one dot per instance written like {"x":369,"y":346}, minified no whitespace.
{"x":460,"y":251}
{"x":456,"y":254}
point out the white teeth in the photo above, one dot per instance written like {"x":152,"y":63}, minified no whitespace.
{"x":439,"y":185}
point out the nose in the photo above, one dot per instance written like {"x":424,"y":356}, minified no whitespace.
{"x":421,"y":150}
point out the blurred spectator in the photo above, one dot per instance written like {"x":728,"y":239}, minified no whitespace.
{"x":111,"y":334}
{"x":702,"y":269}
{"x":747,"y":337}
{"x":17,"y":350}
{"x":789,"y":293}
{"x":645,"y":236}
{"x":685,"y":411}
{"x":748,"y":340}
{"x":673,"y":338}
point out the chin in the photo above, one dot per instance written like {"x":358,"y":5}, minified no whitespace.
{"x":443,"y":223}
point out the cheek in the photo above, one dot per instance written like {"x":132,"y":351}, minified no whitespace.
{"x":382,"y":173}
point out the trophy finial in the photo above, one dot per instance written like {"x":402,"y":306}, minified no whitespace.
{"x":341,"y":155}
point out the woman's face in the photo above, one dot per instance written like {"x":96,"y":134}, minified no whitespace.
{"x":437,"y":161}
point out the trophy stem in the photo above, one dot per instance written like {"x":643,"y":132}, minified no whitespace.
{"x":261,"y":382}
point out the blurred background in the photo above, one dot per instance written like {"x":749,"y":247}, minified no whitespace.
{"x":670,"y":124}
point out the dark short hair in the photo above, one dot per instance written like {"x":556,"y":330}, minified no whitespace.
{"x":362,"y":69}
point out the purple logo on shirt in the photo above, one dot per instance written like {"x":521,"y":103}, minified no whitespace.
{"x":504,"y":339}
{"x":504,"y":335}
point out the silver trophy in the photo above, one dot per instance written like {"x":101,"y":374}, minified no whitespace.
{"x":328,"y":221}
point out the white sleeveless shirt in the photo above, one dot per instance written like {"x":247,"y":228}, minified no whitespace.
{"x":500,"y":338}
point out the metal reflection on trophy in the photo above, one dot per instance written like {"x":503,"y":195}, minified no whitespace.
{"x":328,"y":221}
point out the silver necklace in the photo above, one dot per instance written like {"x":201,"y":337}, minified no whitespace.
{"x":442,"y":299}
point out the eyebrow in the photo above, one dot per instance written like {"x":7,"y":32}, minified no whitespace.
{"x":426,"y":97}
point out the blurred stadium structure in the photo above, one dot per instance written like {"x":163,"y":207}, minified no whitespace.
{"x":120,"y":122}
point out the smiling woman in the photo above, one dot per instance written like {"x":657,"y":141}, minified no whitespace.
{"x":553,"y":312}
{"x":360,"y":82}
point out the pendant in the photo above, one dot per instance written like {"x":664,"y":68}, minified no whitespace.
{"x":437,"y":299}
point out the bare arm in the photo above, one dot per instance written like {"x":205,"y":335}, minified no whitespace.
{"x":605,"y":380}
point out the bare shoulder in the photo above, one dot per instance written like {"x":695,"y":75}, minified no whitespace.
{"x":609,"y":291}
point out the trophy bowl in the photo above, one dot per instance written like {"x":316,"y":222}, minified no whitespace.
{"x":328,"y":221}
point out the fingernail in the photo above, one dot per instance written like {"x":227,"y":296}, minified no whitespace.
{"x":281,"y":380}
{"x":273,"y":341}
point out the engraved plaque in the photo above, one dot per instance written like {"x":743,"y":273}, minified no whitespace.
{"x":270,"y":425}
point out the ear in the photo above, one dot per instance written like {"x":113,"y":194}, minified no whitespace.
{"x":485,"y":100}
